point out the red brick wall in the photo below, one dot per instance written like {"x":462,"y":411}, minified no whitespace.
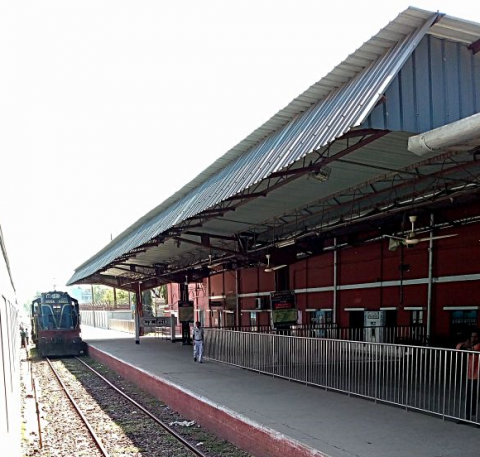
{"x":373,"y":263}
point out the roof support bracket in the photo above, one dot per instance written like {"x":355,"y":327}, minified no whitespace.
{"x":475,"y":47}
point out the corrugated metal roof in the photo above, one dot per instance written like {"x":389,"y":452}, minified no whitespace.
{"x":316,"y":118}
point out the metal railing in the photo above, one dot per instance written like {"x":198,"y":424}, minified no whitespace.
{"x":128,"y":326}
{"x":398,"y":334}
{"x":105,"y":307}
{"x":427,"y":379}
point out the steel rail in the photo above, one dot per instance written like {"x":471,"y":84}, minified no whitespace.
{"x":82,"y":416}
{"x":172,"y":432}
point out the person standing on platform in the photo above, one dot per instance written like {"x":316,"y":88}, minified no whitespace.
{"x":197,"y":342}
{"x":23,"y":337}
{"x":472,"y":344}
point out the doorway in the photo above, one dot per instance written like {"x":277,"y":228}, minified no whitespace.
{"x":355,"y":325}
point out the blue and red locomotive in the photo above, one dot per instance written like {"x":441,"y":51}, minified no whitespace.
{"x":56,"y":324}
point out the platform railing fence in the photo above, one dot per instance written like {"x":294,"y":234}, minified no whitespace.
{"x":433,"y":380}
{"x":396,"y":334}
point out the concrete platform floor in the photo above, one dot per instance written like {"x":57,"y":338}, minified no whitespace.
{"x":272,"y":417}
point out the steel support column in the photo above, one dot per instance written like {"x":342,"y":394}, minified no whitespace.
{"x":335,"y":281}
{"x":138,"y":313}
{"x":430,"y":280}
{"x":237,"y":301}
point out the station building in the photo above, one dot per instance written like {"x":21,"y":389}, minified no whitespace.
{"x":352,"y":213}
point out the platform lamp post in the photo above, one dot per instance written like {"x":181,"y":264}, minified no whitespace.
{"x":114,"y":289}
{"x":237,"y":301}
{"x":93,"y":307}
{"x":430,"y":282}
{"x":335,"y":282}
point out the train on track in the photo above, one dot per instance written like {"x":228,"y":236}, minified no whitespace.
{"x":56,"y":325}
{"x":9,"y":359}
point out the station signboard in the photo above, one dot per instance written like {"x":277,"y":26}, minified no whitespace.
{"x":185,"y":311}
{"x":164,"y":321}
{"x":284,"y":310}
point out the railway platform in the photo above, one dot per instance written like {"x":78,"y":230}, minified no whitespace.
{"x":274,"y":417}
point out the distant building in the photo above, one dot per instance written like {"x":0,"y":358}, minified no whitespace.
{"x":82,"y":294}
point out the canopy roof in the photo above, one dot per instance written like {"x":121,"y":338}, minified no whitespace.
{"x":290,"y":183}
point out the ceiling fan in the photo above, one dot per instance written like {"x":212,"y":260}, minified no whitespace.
{"x":411,"y":240}
{"x":269,"y":268}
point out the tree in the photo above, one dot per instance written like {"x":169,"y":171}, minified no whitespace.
{"x":108,"y":297}
{"x":161,"y":292}
{"x":147,"y":303}
{"x":122,"y":297}
{"x":26,"y":309}
{"x":98,"y":294}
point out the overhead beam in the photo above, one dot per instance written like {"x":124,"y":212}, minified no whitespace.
{"x":154,"y":282}
{"x":128,"y":284}
{"x":325,"y":161}
{"x":207,"y":246}
{"x":107,"y":280}
{"x":209,"y":212}
{"x":327,"y":207}
{"x":136,"y":271}
{"x":297,"y":171}
{"x":356,"y":133}
{"x":246,"y":196}
{"x":133,"y":267}
{"x":176,"y":230}
{"x":211,"y":235}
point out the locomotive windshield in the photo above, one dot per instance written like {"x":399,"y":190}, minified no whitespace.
{"x":56,"y":311}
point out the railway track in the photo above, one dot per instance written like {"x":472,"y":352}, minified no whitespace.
{"x":118,"y":423}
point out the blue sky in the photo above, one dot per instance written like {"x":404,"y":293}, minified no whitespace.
{"x":109,"y":107}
